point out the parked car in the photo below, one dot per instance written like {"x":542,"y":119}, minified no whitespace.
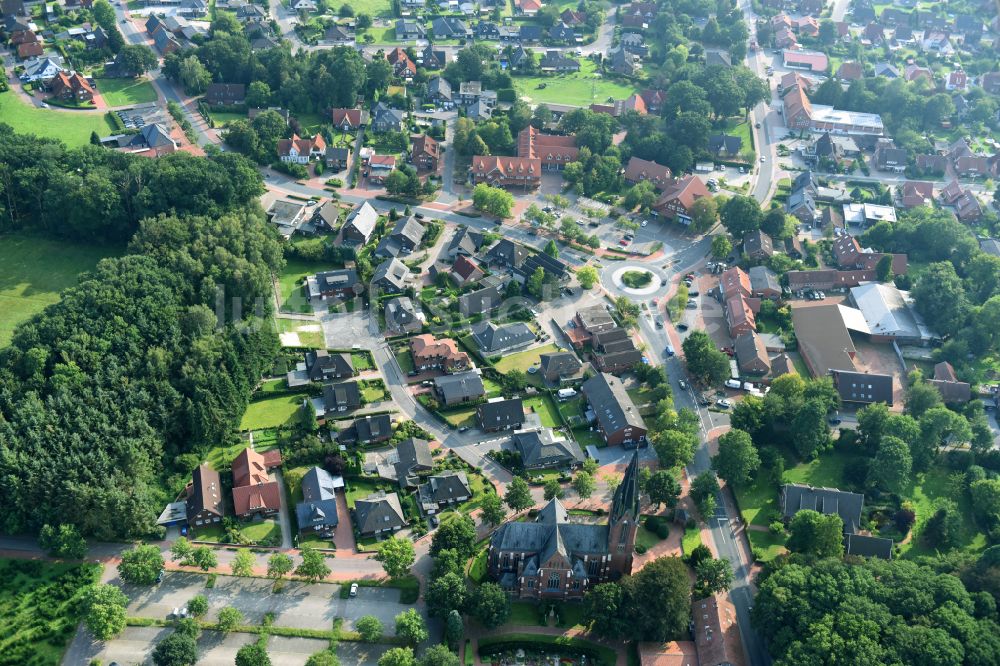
{"x":354,"y":589}
{"x":733,"y":384}
{"x":722,"y":403}
{"x":463,"y":429}
{"x":694,"y":293}
{"x":682,"y":327}
{"x":835,"y":420}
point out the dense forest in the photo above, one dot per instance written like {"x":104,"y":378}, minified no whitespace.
{"x":154,"y":354}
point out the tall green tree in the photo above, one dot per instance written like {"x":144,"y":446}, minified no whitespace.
{"x":518,"y":496}
{"x":141,"y":565}
{"x":104,"y":611}
{"x":737,"y":460}
{"x":397,"y":556}
{"x":814,"y":533}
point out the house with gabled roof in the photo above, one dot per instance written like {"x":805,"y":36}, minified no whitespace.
{"x":831,"y":501}
{"x":255,"y":493}
{"x":430,"y":353}
{"x":404,"y":238}
{"x":465,"y":271}
{"x":205,"y":504}
{"x":443,"y":490}
{"x":349,"y":120}
{"x":379,"y":513}
{"x":340,"y":398}
{"x":360,"y":224}
{"x":460,"y":388}
{"x":639,"y":170}
{"x":495,"y":339}
{"x":317,"y":512}
{"x":391,"y":276}
{"x":500,"y":414}
{"x":426,"y":152}
{"x":321,"y":365}
{"x":367,"y":430}
{"x":677,"y":199}
{"x":618,"y":419}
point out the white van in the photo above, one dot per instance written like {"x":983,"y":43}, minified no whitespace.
{"x":733,"y":384}
{"x":566,"y":393}
{"x":747,"y":386}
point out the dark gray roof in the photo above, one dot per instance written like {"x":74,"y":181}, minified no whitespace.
{"x":612,"y":405}
{"x":719,"y":142}
{"x":391,"y":274}
{"x":829,"y":501}
{"x":804,"y":180}
{"x":863,"y":387}
{"x":460,"y":385}
{"x":990,"y":246}
{"x":480,"y":301}
{"x":862,"y":545}
{"x":494,"y":339}
{"x":439,"y":87}
{"x":319,"y":505}
{"x":344,"y":394}
{"x":604,"y":338}
{"x":465,"y":241}
{"x":757,"y":241}
{"x":508,"y":253}
{"x":321,"y":363}
{"x":543,"y":447}
{"x":413,"y":456}
{"x":206,"y":492}
{"x":501,"y":414}
{"x":445,"y":487}
{"x":400,"y":313}
{"x":563,"y":363}
{"x":763,"y":278}
{"x":626,"y":499}
{"x":552,"y":531}
{"x":378,"y":512}
{"x":367,"y":428}
{"x":553,"y":267}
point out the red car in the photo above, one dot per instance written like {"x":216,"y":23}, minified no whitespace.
{"x":623,"y":243}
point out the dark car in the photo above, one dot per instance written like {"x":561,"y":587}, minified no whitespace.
{"x":835,"y":420}
{"x":682,"y":327}
{"x":694,"y":293}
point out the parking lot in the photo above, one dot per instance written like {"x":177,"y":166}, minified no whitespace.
{"x":298,"y":605}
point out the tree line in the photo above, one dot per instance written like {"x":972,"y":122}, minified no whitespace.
{"x":154,"y":354}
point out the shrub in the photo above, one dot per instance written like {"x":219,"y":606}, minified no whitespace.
{"x":640,"y":549}
{"x":777,"y":527}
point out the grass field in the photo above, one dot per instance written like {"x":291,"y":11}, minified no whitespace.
{"x":221,"y":457}
{"x":646,"y":538}
{"x":309,"y":334}
{"x":585,"y":438}
{"x":826,"y":471}
{"x":769,"y":545}
{"x":542,"y":405}
{"x":41,"y":608}
{"x":360,"y":488}
{"x":221,"y":118}
{"x":523,"y":360}
{"x":291,"y":285}
{"x":35,"y":270}
{"x":73,"y":127}
{"x":923,"y":493}
{"x":123,"y":92}
{"x":691,"y":539}
{"x":580,"y":89}
{"x":461,"y":417}
{"x":271,"y":412}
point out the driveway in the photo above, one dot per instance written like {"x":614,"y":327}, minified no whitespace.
{"x":284,"y":520}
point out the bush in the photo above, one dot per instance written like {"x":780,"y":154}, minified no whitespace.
{"x":640,"y":549}
{"x":777,"y":527}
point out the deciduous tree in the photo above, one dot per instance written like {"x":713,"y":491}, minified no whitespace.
{"x":518,"y":496}
{"x":410,"y":626}
{"x":397,"y":556}
{"x":370,"y":628}
{"x":104,"y":611}
{"x":814,"y":533}
{"x":737,"y":460}
{"x":141,"y":565}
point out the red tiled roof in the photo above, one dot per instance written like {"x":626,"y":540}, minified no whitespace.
{"x":383,"y":161}
{"x":249,"y":468}
{"x":464,"y":267}
{"x":247,"y":499}
{"x":639,"y":169}
{"x":815,"y":60}
{"x":507,"y":166}
{"x":685,"y":191}
{"x":353,"y":117}
{"x":29,"y":49}
{"x":425,"y":145}
{"x":734,"y":282}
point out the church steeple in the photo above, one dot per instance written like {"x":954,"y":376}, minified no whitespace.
{"x":625,"y":504}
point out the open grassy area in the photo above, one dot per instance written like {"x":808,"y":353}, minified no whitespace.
{"x":758,"y":501}
{"x":461,"y":418}
{"x":580,"y":89}
{"x":478,"y":566}
{"x":373,"y":392}
{"x":741,"y":128}
{"x":306,"y":334}
{"x":646,"y":538}
{"x":221,"y":457}
{"x":222,"y":118}
{"x":827,"y":470}
{"x":544,"y":407}
{"x":691,"y":539}
{"x":361,"y":488}
{"x":271,"y":412}
{"x":767,"y":545}
{"x":263,"y":531}
{"x":585,"y":438}
{"x":41,"y":608}
{"x":362,"y":361}
{"x":35,"y":270}
{"x":405,"y":360}
{"x":524,"y":613}
{"x":73,"y":127}
{"x":523,"y":360}
{"x":291,"y":284}
{"x":571,"y":410}
{"x":123,"y":92}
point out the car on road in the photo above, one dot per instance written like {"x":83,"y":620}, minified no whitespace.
{"x":354,"y":590}
{"x":682,"y":327}
{"x":419,"y":216}
{"x":581,"y":222}
{"x":434,"y":521}
{"x":722,"y":403}
{"x":757,"y":125}
{"x":683,"y":384}
{"x":763,"y":159}
{"x":428,"y":383}
{"x":644,"y":223}
{"x":311,"y":202}
{"x":159,"y":577}
{"x":669,"y":350}
{"x":463,"y":429}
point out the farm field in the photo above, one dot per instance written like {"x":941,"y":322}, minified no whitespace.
{"x":35,"y":270}
{"x":123,"y":92}
{"x":73,"y":127}
{"x":580,"y":89}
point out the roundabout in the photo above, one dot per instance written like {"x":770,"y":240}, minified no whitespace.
{"x":635,"y":279}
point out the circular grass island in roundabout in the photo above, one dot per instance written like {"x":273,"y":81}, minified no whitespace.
{"x":636,"y":278}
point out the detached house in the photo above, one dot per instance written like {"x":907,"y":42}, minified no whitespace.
{"x":460,"y":388}
{"x":321,"y":365}
{"x":360,"y":224}
{"x":544,"y":448}
{"x":443,"y":490}
{"x":225,"y":94}
{"x":677,"y":199}
{"x":295,"y":150}
{"x":342,"y":284}
{"x":500,"y":414}
{"x":71,"y":86}
{"x":317,"y":512}
{"x":617,"y":416}
{"x":340,"y":398}
{"x":639,"y":170}
{"x":367,"y":430}
{"x":204,"y":505}
{"x":493,"y":339}
{"x":255,"y":493}
{"x":404,"y":238}
{"x":349,"y":120}
{"x":426,"y":152}
{"x":432,"y":354}
{"x":379,"y":513}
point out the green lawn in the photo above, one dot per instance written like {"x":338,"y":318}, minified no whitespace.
{"x":492,"y":388}
{"x":767,"y":544}
{"x":605,"y":655}
{"x":478,"y":566}
{"x":461,"y":417}
{"x":41,"y":605}
{"x":73,"y":127}
{"x":546,"y":410}
{"x":222,"y":118}
{"x":827,"y":470}
{"x":740,"y":128}
{"x":373,"y":392}
{"x":361,"y":488}
{"x":580,"y":89}
{"x":124,"y":92}
{"x":691,"y":539}
{"x":271,"y":412}
{"x":524,"y":613}
{"x":291,"y":284}
{"x":585,"y":438}
{"x":307,"y":337}
{"x":221,"y":457}
{"x":405,"y":360}
{"x":362,"y":361}
{"x":264,"y":531}
{"x":35,"y":270}
{"x":646,"y":538}
{"x":758,"y":501}
{"x":523,"y":360}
